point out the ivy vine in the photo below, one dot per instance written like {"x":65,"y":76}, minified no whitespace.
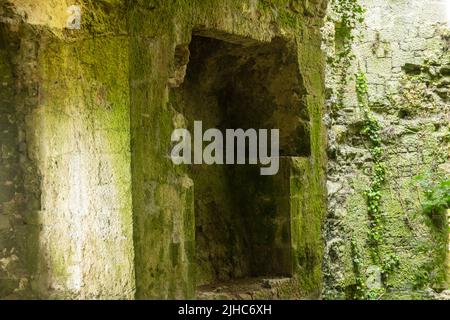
{"x":349,"y":14}
{"x":371,"y":130}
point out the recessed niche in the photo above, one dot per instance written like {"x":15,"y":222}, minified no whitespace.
{"x":242,"y":218}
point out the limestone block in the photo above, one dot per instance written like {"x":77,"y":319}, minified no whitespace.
{"x":380,"y":66}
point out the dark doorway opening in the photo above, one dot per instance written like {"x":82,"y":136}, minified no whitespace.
{"x":242,"y":218}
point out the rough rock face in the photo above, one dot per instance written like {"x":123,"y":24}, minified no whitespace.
{"x":91,"y":206}
{"x":72,"y":232}
{"x":165,"y":197}
{"x":402,"y":48}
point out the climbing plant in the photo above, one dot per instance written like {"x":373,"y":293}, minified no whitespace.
{"x":375,"y":261}
{"x":437,"y":198}
{"x":371,"y":131}
{"x":349,"y":13}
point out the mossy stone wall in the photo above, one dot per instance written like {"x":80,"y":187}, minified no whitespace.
{"x":163,"y":193}
{"x":107,"y":213}
{"x":401,"y":48}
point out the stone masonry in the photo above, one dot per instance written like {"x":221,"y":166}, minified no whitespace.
{"x":92,"y":207}
{"x":402,"y":48}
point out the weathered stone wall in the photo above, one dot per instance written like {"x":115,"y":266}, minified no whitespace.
{"x":12,"y":266}
{"x":163,"y":193}
{"x":20,"y":177}
{"x":79,"y":136}
{"x":92,"y":207}
{"x":402,"y":49}
{"x":87,"y":113}
{"x":72,"y":146}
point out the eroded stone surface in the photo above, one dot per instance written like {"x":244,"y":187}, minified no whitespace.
{"x":109,"y":215}
{"x":401,"y":48}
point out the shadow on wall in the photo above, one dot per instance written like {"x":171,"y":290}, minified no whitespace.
{"x":19,"y":180}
